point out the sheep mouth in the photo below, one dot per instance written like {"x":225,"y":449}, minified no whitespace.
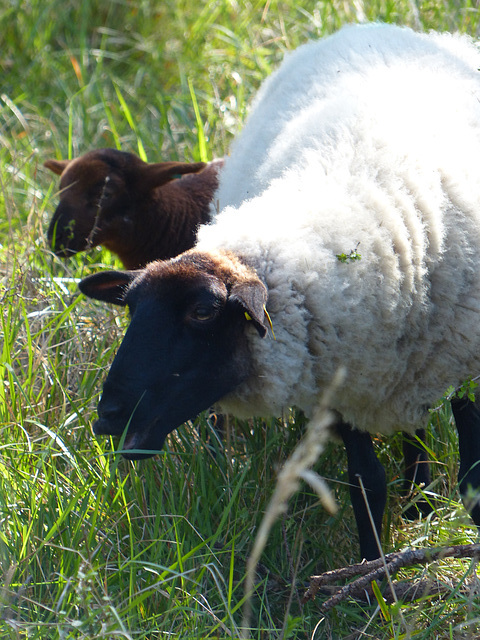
{"x":137,"y":445}
{"x":140,"y":445}
{"x":65,"y":252}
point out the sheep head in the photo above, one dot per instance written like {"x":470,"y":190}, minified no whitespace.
{"x":101,"y":195}
{"x":186,"y":346}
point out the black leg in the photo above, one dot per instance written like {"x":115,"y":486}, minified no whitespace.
{"x":417,"y":471}
{"x":467,"y":419}
{"x":363,"y":463}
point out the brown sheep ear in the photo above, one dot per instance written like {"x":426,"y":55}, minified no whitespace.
{"x":252,"y":296}
{"x":157,"y":174}
{"x":57,"y":166}
{"x":108,"y":286}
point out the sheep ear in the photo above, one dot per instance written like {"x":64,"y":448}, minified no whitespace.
{"x":108,"y":286}
{"x":157,"y":174}
{"x":252,"y":296}
{"x":57,"y":166}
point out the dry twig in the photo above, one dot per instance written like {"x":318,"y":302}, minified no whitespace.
{"x":377,"y":570}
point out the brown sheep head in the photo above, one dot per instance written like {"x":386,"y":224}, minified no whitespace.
{"x":186,"y":346}
{"x":101,"y":194}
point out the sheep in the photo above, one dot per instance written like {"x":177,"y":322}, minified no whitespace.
{"x":367,"y":139}
{"x":140,"y":211}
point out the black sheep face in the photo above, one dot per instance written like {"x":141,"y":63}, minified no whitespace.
{"x":185,"y":348}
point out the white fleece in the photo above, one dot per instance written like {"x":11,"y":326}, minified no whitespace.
{"x":371,"y":139}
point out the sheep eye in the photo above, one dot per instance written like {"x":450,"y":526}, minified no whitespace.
{"x":203,"y":313}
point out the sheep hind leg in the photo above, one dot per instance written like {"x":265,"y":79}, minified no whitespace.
{"x":467,"y":419}
{"x":417,"y":472}
{"x":364,"y":464}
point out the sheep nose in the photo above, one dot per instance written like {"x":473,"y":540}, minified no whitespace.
{"x":101,"y":427}
{"x":109,"y":421}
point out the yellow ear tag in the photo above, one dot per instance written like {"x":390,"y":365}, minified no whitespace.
{"x":249,"y":317}
{"x":269,"y":321}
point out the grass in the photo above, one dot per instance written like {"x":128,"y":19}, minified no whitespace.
{"x":93,"y":546}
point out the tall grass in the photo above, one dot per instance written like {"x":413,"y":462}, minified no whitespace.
{"x":93,"y":546}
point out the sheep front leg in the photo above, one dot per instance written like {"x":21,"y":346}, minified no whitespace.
{"x":364,"y":464}
{"x":467,"y":419}
{"x":417,"y":471}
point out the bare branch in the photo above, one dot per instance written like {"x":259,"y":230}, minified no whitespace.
{"x":377,"y":570}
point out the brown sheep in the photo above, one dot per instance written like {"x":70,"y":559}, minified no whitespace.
{"x":140,"y":211}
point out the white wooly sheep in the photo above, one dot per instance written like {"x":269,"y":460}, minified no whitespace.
{"x":368,"y":140}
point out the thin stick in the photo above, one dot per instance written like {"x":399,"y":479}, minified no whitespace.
{"x":376,"y":570}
